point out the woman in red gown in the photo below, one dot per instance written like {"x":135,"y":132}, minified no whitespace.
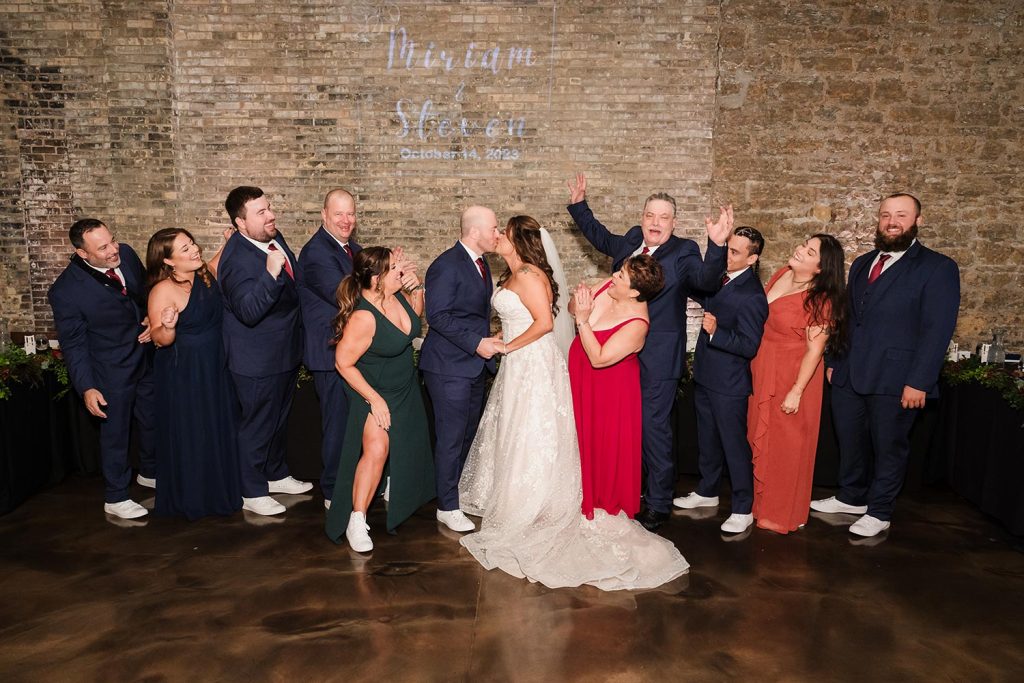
{"x":806,"y":312}
{"x":605,"y":376}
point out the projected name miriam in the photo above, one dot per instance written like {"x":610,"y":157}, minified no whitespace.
{"x":428,"y":121}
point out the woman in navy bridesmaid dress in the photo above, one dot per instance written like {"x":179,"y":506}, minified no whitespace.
{"x":197,"y":455}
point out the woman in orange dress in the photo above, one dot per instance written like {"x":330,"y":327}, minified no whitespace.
{"x":806,"y":313}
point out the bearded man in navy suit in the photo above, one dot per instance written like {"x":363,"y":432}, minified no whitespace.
{"x":458,"y":353}
{"x":99,"y":308}
{"x":263,"y":338}
{"x":662,"y":359}
{"x":730,"y":335}
{"x":323,"y":262}
{"x":903,"y":300}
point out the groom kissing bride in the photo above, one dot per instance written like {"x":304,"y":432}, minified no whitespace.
{"x":522,"y":466}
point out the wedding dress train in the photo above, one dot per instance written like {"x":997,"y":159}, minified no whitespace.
{"x":522,"y":476}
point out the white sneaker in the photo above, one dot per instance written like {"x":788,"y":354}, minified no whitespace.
{"x":356,"y":533}
{"x":737,"y":524}
{"x":289,"y":485}
{"x":695,"y":500}
{"x":868,"y":526}
{"x":148,"y":482}
{"x":126,"y":509}
{"x":264,"y":505}
{"x":455,"y":520}
{"x":834,"y":505}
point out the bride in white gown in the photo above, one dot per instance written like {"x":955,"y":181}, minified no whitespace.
{"x":522,"y":475}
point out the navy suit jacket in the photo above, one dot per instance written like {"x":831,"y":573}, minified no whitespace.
{"x":98,"y":327}
{"x":458,"y":307}
{"x":900,"y":325}
{"x":262,"y":324}
{"x":722,"y":363}
{"x":663,"y":355}
{"x":322,"y":265}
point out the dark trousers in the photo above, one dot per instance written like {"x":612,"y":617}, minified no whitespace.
{"x":123,"y":404}
{"x":458,"y":403}
{"x":330,"y":388}
{"x":659,"y":465}
{"x":722,"y":436}
{"x":873,"y":430}
{"x":265,"y":403}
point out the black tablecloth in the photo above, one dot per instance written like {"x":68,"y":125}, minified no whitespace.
{"x":981,"y":440}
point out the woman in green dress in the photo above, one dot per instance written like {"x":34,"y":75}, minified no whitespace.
{"x":376,"y":324}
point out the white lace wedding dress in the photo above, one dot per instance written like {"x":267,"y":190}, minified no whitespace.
{"x":522,"y":476}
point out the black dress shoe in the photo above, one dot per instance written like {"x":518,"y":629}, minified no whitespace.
{"x":652,"y":519}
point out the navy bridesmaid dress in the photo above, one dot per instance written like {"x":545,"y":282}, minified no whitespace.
{"x":197,"y":454}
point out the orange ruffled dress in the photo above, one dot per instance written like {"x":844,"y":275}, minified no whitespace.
{"x":783,"y":446}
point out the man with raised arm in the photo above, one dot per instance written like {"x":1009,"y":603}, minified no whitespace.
{"x":662,"y":359}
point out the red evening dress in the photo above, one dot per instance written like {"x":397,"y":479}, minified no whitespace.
{"x":606,"y":402}
{"x":783,"y":446}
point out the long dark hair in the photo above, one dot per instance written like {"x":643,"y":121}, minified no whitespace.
{"x":524,"y":234}
{"x":367,"y":263}
{"x":160,"y":247}
{"x":825,"y":303}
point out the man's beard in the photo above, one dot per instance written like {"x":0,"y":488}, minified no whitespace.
{"x":899,"y":243}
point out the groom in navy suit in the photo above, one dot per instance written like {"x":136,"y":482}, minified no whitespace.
{"x":662,"y":359}
{"x":323,"y":262}
{"x":730,"y":335}
{"x":903,"y":300}
{"x":263,"y":338}
{"x":458,"y":352}
{"x":99,"y":307}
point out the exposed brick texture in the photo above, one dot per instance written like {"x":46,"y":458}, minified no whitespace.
{"x":802,"y":114}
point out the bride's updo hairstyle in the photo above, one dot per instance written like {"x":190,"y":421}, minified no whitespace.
{"x":524,"y":234}
{"x":367,"y":263}
{"x":645,"y":276}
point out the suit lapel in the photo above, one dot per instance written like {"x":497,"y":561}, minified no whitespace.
{"x":891,"y":275}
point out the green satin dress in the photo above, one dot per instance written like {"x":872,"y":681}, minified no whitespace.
{"x":388,"y":367}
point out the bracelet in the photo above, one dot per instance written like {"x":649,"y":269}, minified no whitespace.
{"x":581,"y":323}
{"x":417,"y":288}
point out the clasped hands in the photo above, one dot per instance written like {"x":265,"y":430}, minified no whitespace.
{"x":490,"y":347}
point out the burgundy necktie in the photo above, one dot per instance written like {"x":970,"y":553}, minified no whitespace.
{"x":480,"y":265}
{"x":287,"y":265}
{"x":646,"y":251}
{"x":725,"y":279}
{"x":112,"y":274}
{"x":348,"y":250}
{"x":877,"y":269}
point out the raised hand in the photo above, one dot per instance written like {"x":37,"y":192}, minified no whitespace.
{"x":169,"y":317}
{"x":720,"y":230}
{"x":275,"y":262}
{"x":709,"y":323}
{"x":583,"y":303}
{"x":577,"y":190}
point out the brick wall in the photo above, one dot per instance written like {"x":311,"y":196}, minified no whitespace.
{"x":146,"y":113}
{"x":826,"y":106}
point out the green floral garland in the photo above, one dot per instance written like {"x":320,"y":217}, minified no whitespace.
{"x":1009,"y":383}
{"x":18,"y":367}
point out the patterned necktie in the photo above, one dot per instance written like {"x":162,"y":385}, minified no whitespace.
{"x":112,"y":274}
{"x":480,"y":265}
{"x":287,"y":265}
{"x":348,"y":250}
{"x":877,"y":269}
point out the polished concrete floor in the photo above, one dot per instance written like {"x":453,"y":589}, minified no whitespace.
{"x":940,"y":597}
